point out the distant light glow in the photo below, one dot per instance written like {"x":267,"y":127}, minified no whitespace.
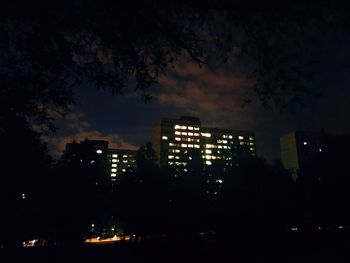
{"x":98,"y":151}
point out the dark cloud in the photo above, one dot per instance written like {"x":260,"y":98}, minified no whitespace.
{"x":78,"y":129}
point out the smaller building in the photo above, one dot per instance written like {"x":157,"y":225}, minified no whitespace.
{"x":297,"y":148}
{"x":110,"y":162}
{"x":119,"y":161}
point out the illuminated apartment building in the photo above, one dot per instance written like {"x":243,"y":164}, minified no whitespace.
{"x":226,"y":146}
{"x":178,"y":142}
{"x":119,"y":161}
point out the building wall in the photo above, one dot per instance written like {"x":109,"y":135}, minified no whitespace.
{"x":119,"y":161}
{"x":226,"y":145}
{"x":177,"y":141}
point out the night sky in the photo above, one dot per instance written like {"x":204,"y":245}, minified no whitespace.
{"x":215,"y":96}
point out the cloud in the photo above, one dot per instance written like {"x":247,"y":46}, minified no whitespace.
{"x":213,"y":95}
{"x":78,"y":129}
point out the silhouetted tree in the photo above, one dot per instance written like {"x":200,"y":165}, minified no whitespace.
{"x":257,"y":202}
{"x":49,"y":49}
{"x":25,"y":164}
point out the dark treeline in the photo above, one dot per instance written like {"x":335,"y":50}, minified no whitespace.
{"x":69,"y":200}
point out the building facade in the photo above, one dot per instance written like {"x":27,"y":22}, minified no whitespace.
{"x":178,"y":142}
{"x":119,"y":161}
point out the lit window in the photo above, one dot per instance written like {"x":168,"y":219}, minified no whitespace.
{"x":171,"y":157}
{"x":113,"y":170}
{"x":170,"y":163}
{"x":190,"y":134}
{"x":177,"y":133}
{"x":252,"y":149}
{"x":241,"y":143}
{"x":305,"y":142}
{"x":219,"y":181}
{"x":196,"y":146}
{"x":177,"y":127}
{"x":224,"y":141}
{"x":114,"y":160}
{"x":240,"y":137}
{"x":183,"y":127}
{"x":99,"y":151}
{"x":164,"y":137}
{"x":206,"y":134}
{"x":125,"y":161}
{"x":225,"y":147}
{"x":113,"y":175}
{"x":185,"y":170}
{"x":92,"y":161}
{"x":184,"y":133}
{"x":220,"y":147}
{"x":251,"y":139}
{"x":196,"y":128}
{"x":177,"y":139}
{"x":320,"y":150}
{"x":207,"y":151}
{"x":114,"y":155}
{"x":208,"y":157}
{"x":196,"y":134}
{"x":184,"y":145}
{"x":230,"y":136}
{"x":123,"y":170}
{"x":114,"y":165}
{"x":190,"y":158}
{"x":219,"y":141}
{"x":125,"y":156}
{"x":177,"y":157}
{"x":177,"y":150}
{"x":171,"y":144}
{"x":190,"y":128}
{"x":208,"y":162}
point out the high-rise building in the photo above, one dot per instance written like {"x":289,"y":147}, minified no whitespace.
{"x":178,"y":142}
{"x":297,"y":148}
{"x":226,"y":146}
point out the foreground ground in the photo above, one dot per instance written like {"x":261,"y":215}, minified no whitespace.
{"x":292,"y":248}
